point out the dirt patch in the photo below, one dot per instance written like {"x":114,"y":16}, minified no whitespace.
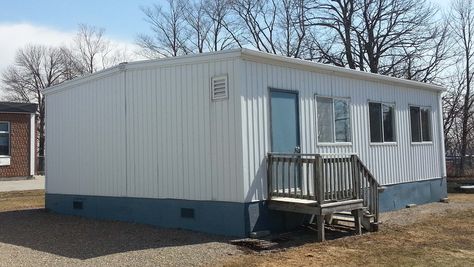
{"x":20,"y":200}
{"x":428,"y":235}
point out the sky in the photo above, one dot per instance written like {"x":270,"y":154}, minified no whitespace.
{"x":54,"y":22}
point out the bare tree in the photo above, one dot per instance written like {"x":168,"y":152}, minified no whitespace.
{"x":169,"y":29}
{"x":291,"y":27}
{"x":199,"y":23}
{"x":462,"y":25}
{"x":36,"y":68}
{"x":394,"y":37}
{"x":259,"y":19}
{"x":428,"y":61}
{"x":72,"y":65}
{"x":337,"y":16}
{"x":380,"y":36}
{"x":92,"y":48}
{"x":220,"y":36}
{"x":387,"y":27}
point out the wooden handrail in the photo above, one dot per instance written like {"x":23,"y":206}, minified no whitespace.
{"x":325,"y":178}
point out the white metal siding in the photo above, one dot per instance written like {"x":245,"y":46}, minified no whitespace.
{"x":152,"y":130}
{"x":85,"y":139}
{"x":403,"y":162}
{"x":196,"y":142}
{"x":159,"y":136}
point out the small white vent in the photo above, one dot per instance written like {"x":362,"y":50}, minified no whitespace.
{"x":219,"y":87}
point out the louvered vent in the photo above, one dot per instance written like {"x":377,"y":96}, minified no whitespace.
{"x":219,"y":87}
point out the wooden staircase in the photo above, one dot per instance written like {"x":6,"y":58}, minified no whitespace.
{"x":347,"y":218}
{"x":333,"y":188}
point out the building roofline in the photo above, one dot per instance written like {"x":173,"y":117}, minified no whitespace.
{"x":144,"y":64}
{"x":250,"y":55}
{"x":17,"y":107}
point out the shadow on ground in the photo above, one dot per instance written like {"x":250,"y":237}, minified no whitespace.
{"x":82,"y":238}
{"x":307,"y":234}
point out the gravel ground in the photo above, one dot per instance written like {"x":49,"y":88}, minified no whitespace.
{"x":35,"y":237}
{"x":436,"y":234}
{"x":421,"y":212}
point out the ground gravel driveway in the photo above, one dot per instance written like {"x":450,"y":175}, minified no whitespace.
{"x":38,"y":238}
{"x":35,"y":237}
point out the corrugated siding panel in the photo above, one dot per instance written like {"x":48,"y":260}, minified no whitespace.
{"x":159,"y":136}
{"x":180,"y":144}
{"x":84,"y":139}
{"x":403,"y":162}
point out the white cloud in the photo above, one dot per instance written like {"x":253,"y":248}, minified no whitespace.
{"x":16,"y":35}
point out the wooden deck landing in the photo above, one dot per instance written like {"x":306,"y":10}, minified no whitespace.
{"x":312,"y":207}
{"x":322,"y":185}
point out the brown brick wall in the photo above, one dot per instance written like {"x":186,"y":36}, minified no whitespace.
{"x":19,"y":145}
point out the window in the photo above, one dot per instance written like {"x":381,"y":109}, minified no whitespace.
{"x":420,"y":122}
{"x":4,"y":139}
{"x":333,"y":117}
{"x":382,"y":122}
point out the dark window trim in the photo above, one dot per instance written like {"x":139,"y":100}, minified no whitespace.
{"x":334,"y":142}
{"x":395,"y":135}
{"x":9,"y":139}
{"x":422,"y":142}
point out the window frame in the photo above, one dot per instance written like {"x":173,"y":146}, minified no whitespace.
{"x":395,"y":132}
{"x":334,"y":143}
{"x":420,"y":107}
{"x":9,"y":139}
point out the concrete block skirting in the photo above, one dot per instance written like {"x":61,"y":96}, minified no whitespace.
{"x":214,"y":217}
{"x":398,"y":196}
{"x":224,"y":218}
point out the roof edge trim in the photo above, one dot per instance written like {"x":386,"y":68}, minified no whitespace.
{"x":262,"y":57}
{"x":144,"y":64}
{"x":251,"y":55}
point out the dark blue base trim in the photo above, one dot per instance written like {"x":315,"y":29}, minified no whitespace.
{"x":224,"y":218}
{"x":215,"y":217}
{"x":397,"y":196}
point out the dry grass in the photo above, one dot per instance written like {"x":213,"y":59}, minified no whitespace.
{"x":19,"y":200}
{"x":444,"y":240}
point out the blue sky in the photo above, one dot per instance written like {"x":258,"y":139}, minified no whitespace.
{"x":54,"y":22}
{"x":122,"y":19}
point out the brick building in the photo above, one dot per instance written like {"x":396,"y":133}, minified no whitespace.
{"x":17,"y":139}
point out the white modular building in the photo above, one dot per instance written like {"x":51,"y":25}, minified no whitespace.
{"x":205,"y":142}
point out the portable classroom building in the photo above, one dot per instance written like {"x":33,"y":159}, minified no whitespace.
{"x":182,"y":142}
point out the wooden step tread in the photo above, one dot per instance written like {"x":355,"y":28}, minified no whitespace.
{"x":343,"y":218}
{"x":295,"y":200}
{"x":341,"y":203}
{"x":349,"y":214}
